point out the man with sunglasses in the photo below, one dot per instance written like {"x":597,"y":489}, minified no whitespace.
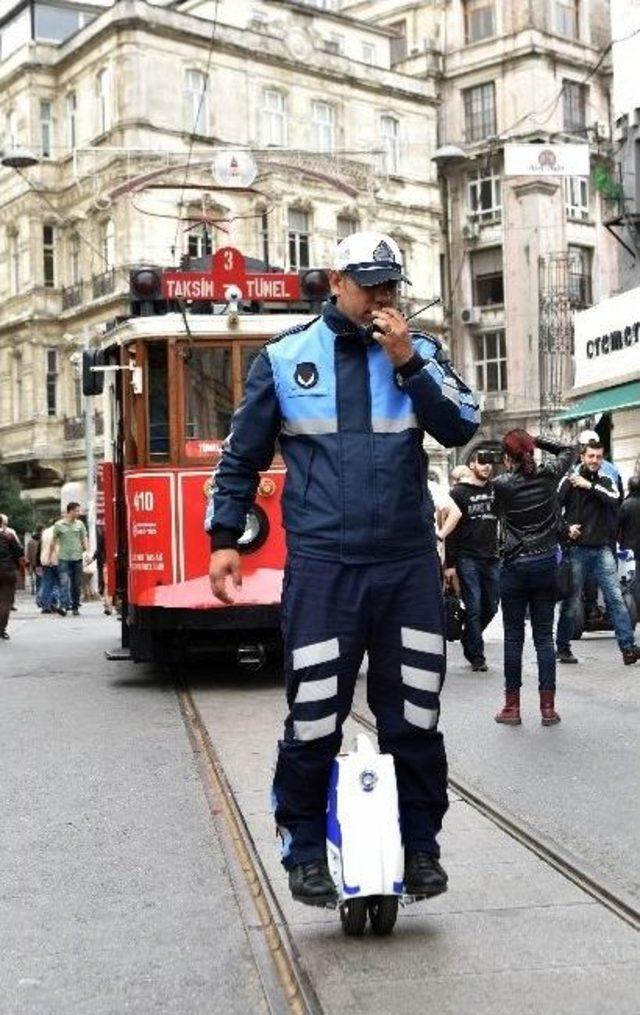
{"x":350,"y":397}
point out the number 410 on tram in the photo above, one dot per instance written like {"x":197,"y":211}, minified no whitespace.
{"x":170,"y":383}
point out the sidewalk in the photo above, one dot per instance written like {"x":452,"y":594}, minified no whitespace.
{"x":114,"y":890}
{"x":510,"y":936}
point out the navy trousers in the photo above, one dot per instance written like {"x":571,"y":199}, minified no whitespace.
{"x":331,"y":614}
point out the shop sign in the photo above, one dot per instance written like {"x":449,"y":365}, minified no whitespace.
{"x":546,"y":160}
{"x":607,"y":340}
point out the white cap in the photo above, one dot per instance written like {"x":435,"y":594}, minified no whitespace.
{"x":587,"y":436}
{"x":370,"y":258}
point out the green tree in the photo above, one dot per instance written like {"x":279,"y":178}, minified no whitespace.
{"x":19,"y":512}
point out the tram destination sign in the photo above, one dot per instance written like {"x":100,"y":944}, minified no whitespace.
{"x":229,"y":279}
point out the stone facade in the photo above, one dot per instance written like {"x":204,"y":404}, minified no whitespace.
{"x":125,"y":131}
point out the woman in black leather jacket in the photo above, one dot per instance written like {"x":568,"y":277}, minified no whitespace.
{"x":526,"y":503}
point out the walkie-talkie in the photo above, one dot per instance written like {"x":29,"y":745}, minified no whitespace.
{"x":371,"y":331}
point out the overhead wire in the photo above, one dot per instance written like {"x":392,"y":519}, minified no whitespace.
{"x":192,"y":137}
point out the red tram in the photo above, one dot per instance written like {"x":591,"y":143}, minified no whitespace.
{"x":171,"y":385}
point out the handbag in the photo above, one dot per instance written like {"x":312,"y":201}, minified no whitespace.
{"x":454,"y":617}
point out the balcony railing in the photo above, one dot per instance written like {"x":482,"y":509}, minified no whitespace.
{"x":104,"y":284}
{"x":72,"y":296}
{"x":74,"y":428}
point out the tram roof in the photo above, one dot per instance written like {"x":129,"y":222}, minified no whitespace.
{"x":203,"y":326}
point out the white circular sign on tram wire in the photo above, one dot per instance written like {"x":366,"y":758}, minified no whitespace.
{"x":234,"y":168}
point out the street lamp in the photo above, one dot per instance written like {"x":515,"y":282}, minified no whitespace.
{"x":18,"y":157}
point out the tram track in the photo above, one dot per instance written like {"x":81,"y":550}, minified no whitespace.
{"x":619,"y":902}
{"x":286,"y":986}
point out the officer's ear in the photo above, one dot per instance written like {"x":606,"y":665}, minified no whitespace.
{"x":337,"y":282}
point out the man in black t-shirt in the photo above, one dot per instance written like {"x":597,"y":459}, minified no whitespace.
{"x":471,"y":558}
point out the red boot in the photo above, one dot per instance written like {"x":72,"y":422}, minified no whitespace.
{"x":547,"y":710}
{"x":511,"y":712}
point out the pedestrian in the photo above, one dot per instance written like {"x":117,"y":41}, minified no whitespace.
{"x":471,"y":557}
{"x":590,"y":502}
{"x":70,"y":539}
{"x":350,"y":397}
{"x":50,"y":598}
{"x":100,"y":557}
{"x":11,"y":559}
{"x":629,"y":521}
{"x":33,"y":561}
{"x":526,"y":502}
{"x":446,"y":512}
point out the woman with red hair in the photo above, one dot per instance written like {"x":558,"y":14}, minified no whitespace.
{"x":526,"y":502}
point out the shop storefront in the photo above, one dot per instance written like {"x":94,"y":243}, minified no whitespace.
{"x":606,"y":393}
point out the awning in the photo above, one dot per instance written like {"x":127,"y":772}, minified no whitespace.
{"x":623,"y":396}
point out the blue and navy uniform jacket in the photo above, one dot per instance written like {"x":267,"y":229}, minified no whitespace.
{"x":350,"y":428}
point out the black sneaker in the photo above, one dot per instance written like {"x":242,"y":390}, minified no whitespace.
{"x":312,"y":884}
{"x":565,"y":655}
{"x":479,"y":665}
{"x":631,"y":655}
{"x":423,"y":875}
{"x":76,"y":613}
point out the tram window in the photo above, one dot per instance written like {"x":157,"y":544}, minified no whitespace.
{"x":209,"y":393}
{"x":157,"y":373}
{"x":249,"y":353}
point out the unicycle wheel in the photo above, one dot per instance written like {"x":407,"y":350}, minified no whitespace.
{"x":383,"y":913}
{"x":353,"y":915}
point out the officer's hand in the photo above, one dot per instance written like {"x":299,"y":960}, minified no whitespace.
{"x":224,"y":564}
{"x":392,"y":332}
{"x":575,"y":531}
{"x":451,"y":579}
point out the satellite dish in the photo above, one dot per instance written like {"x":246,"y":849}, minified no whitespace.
{"x":234,"y":168}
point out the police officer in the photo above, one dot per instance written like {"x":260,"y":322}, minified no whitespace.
{"x":350,"y":397}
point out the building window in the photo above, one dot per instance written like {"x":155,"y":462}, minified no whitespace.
{"x":103,"y":101}
{"x":18,"y":406}
{"x":390,"y":130}
{"x":324,"y":126}
{"x":491,"y":361}
{"x":48,"y":256}
{"x":107,"y":245}
{"x":576,"y":195}
{"x":56,"y":23}
{"x":263,"y":237}
{"x":298,"y":239}
{"x":13,"y":240}
{"x":398,"y":44}
{"x":334,"y":43}
{"x":46,"y":128}
{"x":274,"y":117}
{"x":479,"y":20}
{"x":74,"y":259}
{"x":480,"y":112}
{"x":52,"y":382}
{"x":72,"y":109}
{"x":579,"y":276}
{"x":486,"y":274}
{"x":199,"y":242}
{"x":346,"y":225}
{"x":196,"y":101}
{"x":11,"y":129}
{"x":574,"y":106}
{"x":368,"y":53}
{"x":566,"y":18}
{"x":485,"y":200}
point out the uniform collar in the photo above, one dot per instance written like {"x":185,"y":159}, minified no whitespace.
{"x":341,"y":325}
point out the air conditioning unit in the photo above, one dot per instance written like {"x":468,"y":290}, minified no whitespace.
{"x":495,"y":401}
{"x":470,"y":315}
{"x":471,"y":230}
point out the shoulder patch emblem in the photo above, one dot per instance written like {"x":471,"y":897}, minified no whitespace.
{"x":306,"y":375}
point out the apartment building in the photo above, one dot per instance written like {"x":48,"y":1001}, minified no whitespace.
{"x":524,"y":252}
{"x":125,"y":106}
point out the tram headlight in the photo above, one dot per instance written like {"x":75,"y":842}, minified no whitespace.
{"x":255,"y":532}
